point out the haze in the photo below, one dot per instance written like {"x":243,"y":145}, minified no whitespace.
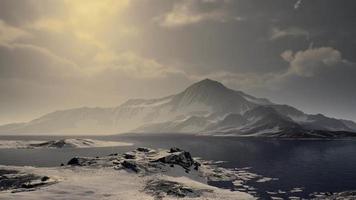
{"x":64,"y":54}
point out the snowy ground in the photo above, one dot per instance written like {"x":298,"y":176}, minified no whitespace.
{"x":76,"y":183}
{"x":140,"y":174}
{"x":64,"y":143}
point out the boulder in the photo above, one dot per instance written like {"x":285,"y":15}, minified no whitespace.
{"x":131,"y":165}
{"x":175,"y":149}
{"x":160,"y":188}
{"x":144,"y":149}
{"x":129,"y":156}
{"x":74,"y":161}
{"x":182,"y":158}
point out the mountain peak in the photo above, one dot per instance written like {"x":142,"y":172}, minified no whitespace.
{"x":207,"y":84}
{"x":208,"y":81}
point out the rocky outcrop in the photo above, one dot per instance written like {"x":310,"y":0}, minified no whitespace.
{"x":347,"y":195}
{"x":19,"y":181}
{"x":160,"y":188}
{"x":179,"y":157}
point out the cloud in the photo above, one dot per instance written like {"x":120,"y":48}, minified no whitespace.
{"x":188,"y":12}
{"x":9,"y":33}
{"x":277,"y":33}
{"x":303,"y":64}
{"x":132,"y":65}
{"x":37,"y":64}
{"x":311,"y":61}
{"x":297,"y":4}
{"x":34,"y":80}
{"x":287,"y":55}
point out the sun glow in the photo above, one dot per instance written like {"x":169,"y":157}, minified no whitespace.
{"x":91,"y":14}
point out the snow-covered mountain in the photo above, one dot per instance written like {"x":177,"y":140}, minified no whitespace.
{"x":206,"y":107}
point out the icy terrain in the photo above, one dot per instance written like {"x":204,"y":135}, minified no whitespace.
{"x":205,"y":107}
{"x":64,"y":143}
{"x":140,"y":174}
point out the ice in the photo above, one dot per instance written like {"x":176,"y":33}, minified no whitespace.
{"x":77,"y":183}
{"x":64,"y":143}
{"x":296,"y":189}
{"x":161,"y":174}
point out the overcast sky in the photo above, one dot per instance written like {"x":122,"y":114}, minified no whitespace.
{"x":65,"y":53}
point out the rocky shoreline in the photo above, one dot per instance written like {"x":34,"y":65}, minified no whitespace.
{"x":156,"y":174}
{"x":143,"y":173}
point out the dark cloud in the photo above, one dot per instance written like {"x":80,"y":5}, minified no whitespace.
{"x":158,"y":47}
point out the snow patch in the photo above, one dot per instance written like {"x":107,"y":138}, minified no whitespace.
{"x":64,"y":143}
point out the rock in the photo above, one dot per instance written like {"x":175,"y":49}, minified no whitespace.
{"x":130,"y":165}
{"x":74,"y":161}
{"x":160,"y":188}
{"x":144,"y":149}
{"x":45,"y":178}
{"x":129,"y":156}
{"x":196,"y":165}
{"x":54,"y":144}
{"x":175,"y":149}
{"x":182,"y":158}
{"x":30,"y":185}
{"x":16,"y":180}
{"x":349,"y":195}
{"x":107,"y":161}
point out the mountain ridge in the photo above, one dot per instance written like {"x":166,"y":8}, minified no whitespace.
{"x":205,"y":107}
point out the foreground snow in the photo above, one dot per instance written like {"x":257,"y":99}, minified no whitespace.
{"x":64,"y":143}
{"x":106,"y":183}
{"x":140,"y":174}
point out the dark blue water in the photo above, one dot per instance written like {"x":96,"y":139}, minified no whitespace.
{"x":315,"y":165}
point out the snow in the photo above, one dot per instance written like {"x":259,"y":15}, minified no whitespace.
{"x":83,"y":183}
{"x":67,"y":143}
{"x":272,"y":130}
{"x":300,"y":119}
{"x":76,"y":183}
{"x":256,"y":100}
{"x":18,"y":144}
{"x":84,"y":143}
{"x":154,"y":103}
{"x":160,"y":173}
{"x":294,"y":190}
{"x":265,"y":179}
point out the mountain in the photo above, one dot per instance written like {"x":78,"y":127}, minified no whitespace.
{"x":206,"y":107}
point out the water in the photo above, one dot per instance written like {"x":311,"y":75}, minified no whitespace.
{"x":314,"y":165}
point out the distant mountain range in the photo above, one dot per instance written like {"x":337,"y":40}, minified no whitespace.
{"x":206,"y":107}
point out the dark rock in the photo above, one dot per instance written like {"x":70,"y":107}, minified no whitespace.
{"x":45,"y":178}
{"x":32,"y":185}
{"x":159,"y":188}
{"x":130,"y":165}
{"x":143,"y":149}
{"x":12,"y":179}
{"x":349,"y":195}
{"x":175,"y":149}
{"x":182,"y":158}
{"x":74,"y":161}
{"x":129,"y":156}
{"x":53,"y":144}
{"x":196,"y":165}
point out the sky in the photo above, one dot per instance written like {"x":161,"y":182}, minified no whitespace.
{"x":63,"y":54}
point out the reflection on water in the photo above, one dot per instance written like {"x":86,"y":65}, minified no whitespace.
{"x":314,"y":165}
